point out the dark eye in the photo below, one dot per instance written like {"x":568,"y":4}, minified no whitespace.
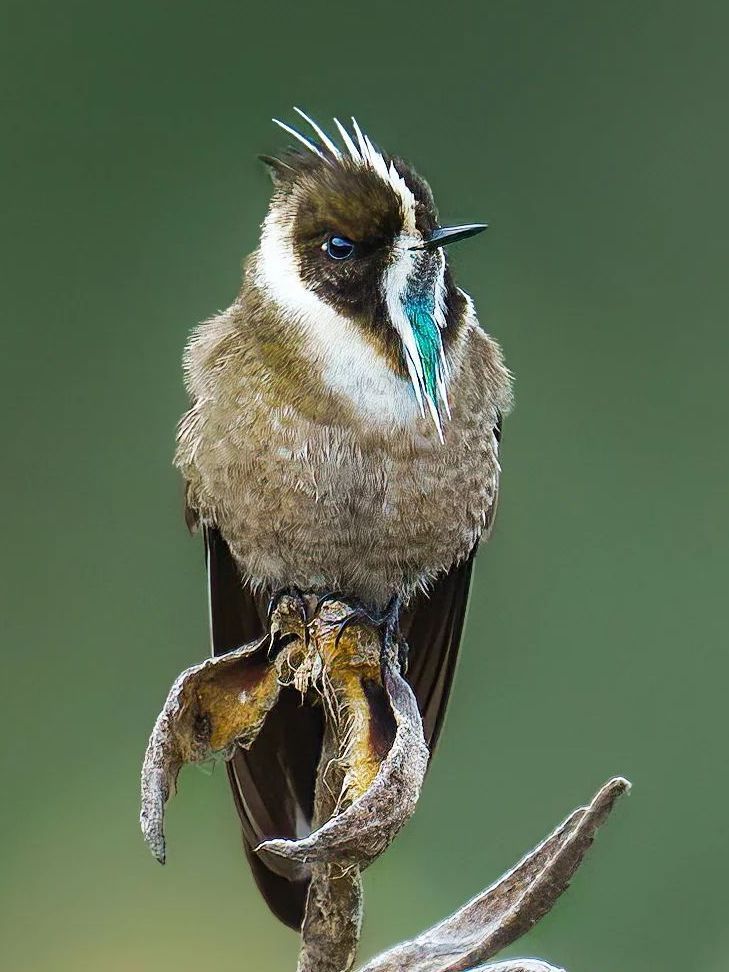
{"x":339,"y":247}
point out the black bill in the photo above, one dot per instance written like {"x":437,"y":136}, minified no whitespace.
{"x":449,"y":234}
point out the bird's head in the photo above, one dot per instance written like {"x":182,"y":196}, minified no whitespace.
{"x":352,"y":240}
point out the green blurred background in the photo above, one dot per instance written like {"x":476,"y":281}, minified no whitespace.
{"x":593,"y":137}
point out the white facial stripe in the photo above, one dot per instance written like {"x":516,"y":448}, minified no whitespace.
{"x":396,"y":282}
{"x":440,"y":292}
{"x":396,"y":279}
{"x":439,"y":313}
{"x":351,"y":367}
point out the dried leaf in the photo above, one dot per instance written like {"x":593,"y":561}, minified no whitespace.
{"x":351,"y":655}
{"x":370,"y":774}
{"x":519,"y":965}
{"x":366,"y":828}
{"x":210,"y":708}
{"x":509,"y":908}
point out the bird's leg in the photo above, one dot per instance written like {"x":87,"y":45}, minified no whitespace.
{"x":387,"y":622}
{"x":392,"y":638}
{"x":298,"y":659}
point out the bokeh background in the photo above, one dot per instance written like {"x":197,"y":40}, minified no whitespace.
{"x":593,"y":138}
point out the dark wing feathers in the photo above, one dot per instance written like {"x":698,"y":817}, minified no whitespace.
{"x":237,"y":616}
{"x":272,"y":782}
{"x":432,"y":627}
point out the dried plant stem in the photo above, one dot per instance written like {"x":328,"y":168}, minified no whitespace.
{"x":505,"y":911}
{"x":333,"y":919}
{"x":369,"y":777}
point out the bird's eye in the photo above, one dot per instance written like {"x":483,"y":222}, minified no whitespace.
{"x":339,"y":248}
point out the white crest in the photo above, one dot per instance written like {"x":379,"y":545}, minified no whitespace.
{"x":363,"y":152}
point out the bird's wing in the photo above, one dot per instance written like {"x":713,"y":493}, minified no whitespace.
{"x":273,"y":781}
{"x":432,"y":625}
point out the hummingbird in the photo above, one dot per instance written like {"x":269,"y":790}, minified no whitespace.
{"x":342,"y":435}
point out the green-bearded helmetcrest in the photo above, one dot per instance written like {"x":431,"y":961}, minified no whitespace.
{"x":342,"y":435}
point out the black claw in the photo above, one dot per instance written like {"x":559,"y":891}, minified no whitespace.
{"x":359,"y":614}
{"x":391,"y":614}
{"x":297,"y":595}
{"x":387,"y":623}
{"x":332,"y":596}
{"x":293,"y":592}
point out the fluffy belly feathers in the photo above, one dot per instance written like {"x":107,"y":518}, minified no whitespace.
{"x":315,"y":508}
{"x":310,"y":491}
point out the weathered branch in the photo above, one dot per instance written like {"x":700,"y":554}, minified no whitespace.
{"x":370,"y":773}
{"x":333,"y":918}
{"x":505,"y":911}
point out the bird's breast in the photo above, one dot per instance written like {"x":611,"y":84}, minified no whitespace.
{"x":321,"y":508}
{"x":338,"y":483}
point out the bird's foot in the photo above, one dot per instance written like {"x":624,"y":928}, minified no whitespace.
{"x":288,"y":617}
{"x":387,"y":622}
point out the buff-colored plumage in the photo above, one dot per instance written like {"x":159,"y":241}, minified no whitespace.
{"x":310,"y":492}
{"x":342,"y":436}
